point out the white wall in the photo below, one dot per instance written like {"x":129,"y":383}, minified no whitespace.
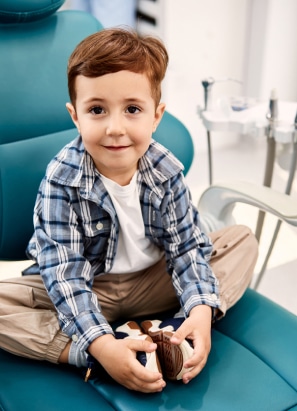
{"x":204,"y":38}
{"x":250,"y":40}
{"x":272,"y":49}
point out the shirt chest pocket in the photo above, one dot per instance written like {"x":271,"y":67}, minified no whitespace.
{"x":94,"y":221}
{"x":94,"y":228}
{"x":96,"y":239}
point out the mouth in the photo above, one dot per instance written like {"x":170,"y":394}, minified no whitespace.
{"x":116,"y":148}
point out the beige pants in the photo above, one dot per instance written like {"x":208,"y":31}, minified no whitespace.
{"x":28,"y":320}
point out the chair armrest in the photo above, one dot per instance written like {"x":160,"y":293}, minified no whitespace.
{"x":219,"y":200}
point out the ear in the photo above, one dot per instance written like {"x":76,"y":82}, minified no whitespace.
{"x":158,"y":115}
{"x":73,"y":115}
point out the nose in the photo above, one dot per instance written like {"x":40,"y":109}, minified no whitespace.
{"x":115,"y":125}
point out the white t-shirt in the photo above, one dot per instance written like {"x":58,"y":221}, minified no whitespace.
{"x":135,"y":252}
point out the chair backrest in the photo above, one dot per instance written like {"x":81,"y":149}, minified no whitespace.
{"x":36,"y":41}
{"x":174,"y":135}
{"x":35,"y":44}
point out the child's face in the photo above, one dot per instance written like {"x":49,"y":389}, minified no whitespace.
{"x":116,"y":116}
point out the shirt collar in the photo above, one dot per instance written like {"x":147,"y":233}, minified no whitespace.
{"x":74,"y":167}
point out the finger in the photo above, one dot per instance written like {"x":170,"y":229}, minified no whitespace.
{"x":195,"y":365}
{"x":149,"y":383}
{"x":199,"y":356}
{"x":158,"y":386}
{"x":193,"y":372}
{"x":150,"y":388}
{"x":144,"y":374}
{"x":141,"y":345}
{"x":143,"y":380}
{"x":180,"y":334}
{"x":135,"y":368}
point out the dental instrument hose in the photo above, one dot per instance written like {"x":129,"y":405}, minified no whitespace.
{"x":207,"y":84}
{"x":270,"y":154}
{"x":287,"y":191}
{"x":209,"y":149}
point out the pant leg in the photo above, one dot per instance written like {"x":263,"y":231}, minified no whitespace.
{"x":233,"y":261}
{"x":136,"y":294}
{"x":151,"y":291}
{"x":28,"y":321}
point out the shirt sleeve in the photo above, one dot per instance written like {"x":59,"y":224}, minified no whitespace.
{"x":58,"y":248}
{"x":188,"y":249}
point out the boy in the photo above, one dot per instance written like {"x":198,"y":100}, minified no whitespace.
{"x":116,"y":235}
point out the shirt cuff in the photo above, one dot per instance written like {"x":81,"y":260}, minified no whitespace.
{"x":201,"y":293}
{"x":85,"y":328}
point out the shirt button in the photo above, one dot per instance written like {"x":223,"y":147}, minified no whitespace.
{"x":213,"y":297}
{"x":99,"y":226}
{"x":74,"y":338}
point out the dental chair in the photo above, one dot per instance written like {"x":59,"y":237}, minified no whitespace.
{"x":253,"y":361}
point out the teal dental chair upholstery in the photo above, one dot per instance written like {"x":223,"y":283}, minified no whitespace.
{"x":253,"y":362}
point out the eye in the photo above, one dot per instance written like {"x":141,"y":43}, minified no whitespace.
{"x":96,"y":110}
{"x":133,"y":109}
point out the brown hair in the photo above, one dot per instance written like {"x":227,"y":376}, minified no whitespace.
{"x":112,"y":50}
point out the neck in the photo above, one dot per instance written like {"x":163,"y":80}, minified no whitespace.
{"x":123,"y":179}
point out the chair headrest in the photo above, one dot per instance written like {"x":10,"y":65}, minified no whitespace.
{"x":22,"y":11}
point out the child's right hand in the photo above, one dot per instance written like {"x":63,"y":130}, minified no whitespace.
{"x":118,"y":357}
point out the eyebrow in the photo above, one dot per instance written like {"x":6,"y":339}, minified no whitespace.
{"x":93,"y":100}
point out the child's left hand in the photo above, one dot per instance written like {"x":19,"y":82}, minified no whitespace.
{"x":196,"y":327}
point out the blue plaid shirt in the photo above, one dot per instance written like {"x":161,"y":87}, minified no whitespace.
{"x":76,"y":235}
